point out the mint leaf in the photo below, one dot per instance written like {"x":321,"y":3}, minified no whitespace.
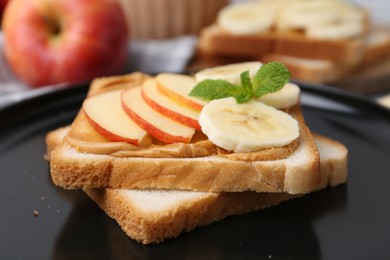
{"x":270,"y":78}
{"x":215,"y":89}
{"x":246,"y":90}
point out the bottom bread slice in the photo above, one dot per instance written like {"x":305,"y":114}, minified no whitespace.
{"x":151,"y":216}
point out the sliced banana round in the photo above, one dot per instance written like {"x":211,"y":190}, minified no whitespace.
{"x":288,"y":96}
{"x":326,"y":19}
{"x":300,"y":14}
{"x":230,"y":73}
{"x":247,"y":127}
{"x":245,"y":18}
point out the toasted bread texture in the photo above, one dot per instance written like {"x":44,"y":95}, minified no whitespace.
{"x":73,"y":168}
{"x":151,"y":216}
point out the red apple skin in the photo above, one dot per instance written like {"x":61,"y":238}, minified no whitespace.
{"x":172,"y":114}
{"x":151,"y":129}
{"x":154,"y":131}
{"x":64,"y":41}
{"x":109,"y":135}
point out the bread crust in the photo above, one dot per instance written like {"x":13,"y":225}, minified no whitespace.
{"x":334,"y":161}
{"x":199,"y":210}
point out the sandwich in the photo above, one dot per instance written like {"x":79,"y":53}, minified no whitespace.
{"x":159,"y":184}
{"x":317,"y":29}
{"x":142,"y":132}
{"x":152,"y":216}
{"x":319,"y":41}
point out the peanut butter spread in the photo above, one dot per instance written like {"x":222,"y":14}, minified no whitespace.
{"x":83,"y":137}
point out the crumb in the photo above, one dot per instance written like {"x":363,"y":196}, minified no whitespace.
{"x":42,"y":198}
{"x":35,"y":213}
{"x":269,"y":256}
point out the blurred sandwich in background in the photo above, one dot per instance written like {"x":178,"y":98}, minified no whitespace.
{"x":322,"y":41}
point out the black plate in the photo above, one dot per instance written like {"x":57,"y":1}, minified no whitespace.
{"x":348,"y":222}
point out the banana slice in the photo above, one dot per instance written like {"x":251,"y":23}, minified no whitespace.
{"x":245,"y":18}
{"x":299,"y":14}
{"x":247,"y":127}
{"x":229,"y":72}
{"x":325,"y":19}
{"x":284,"y":98}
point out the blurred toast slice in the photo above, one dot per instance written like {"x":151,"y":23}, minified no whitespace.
{"x":214,"y":40}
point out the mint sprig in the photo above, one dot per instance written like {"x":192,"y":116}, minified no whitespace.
{"x":270,"y":78}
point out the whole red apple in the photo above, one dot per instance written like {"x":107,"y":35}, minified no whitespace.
{"x":56,"y":41}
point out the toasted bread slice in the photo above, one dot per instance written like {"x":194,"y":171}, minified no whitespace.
{"x":151,"y":216}
{"x":214,"y":40}
{"x":298,"y":173}
{"x":73,"y":168}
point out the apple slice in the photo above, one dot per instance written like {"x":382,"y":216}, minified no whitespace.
{"x":169,"y":107}
{"x":177,"y":87}
{"x":104,"y":112}
{"x":156,"y":124}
